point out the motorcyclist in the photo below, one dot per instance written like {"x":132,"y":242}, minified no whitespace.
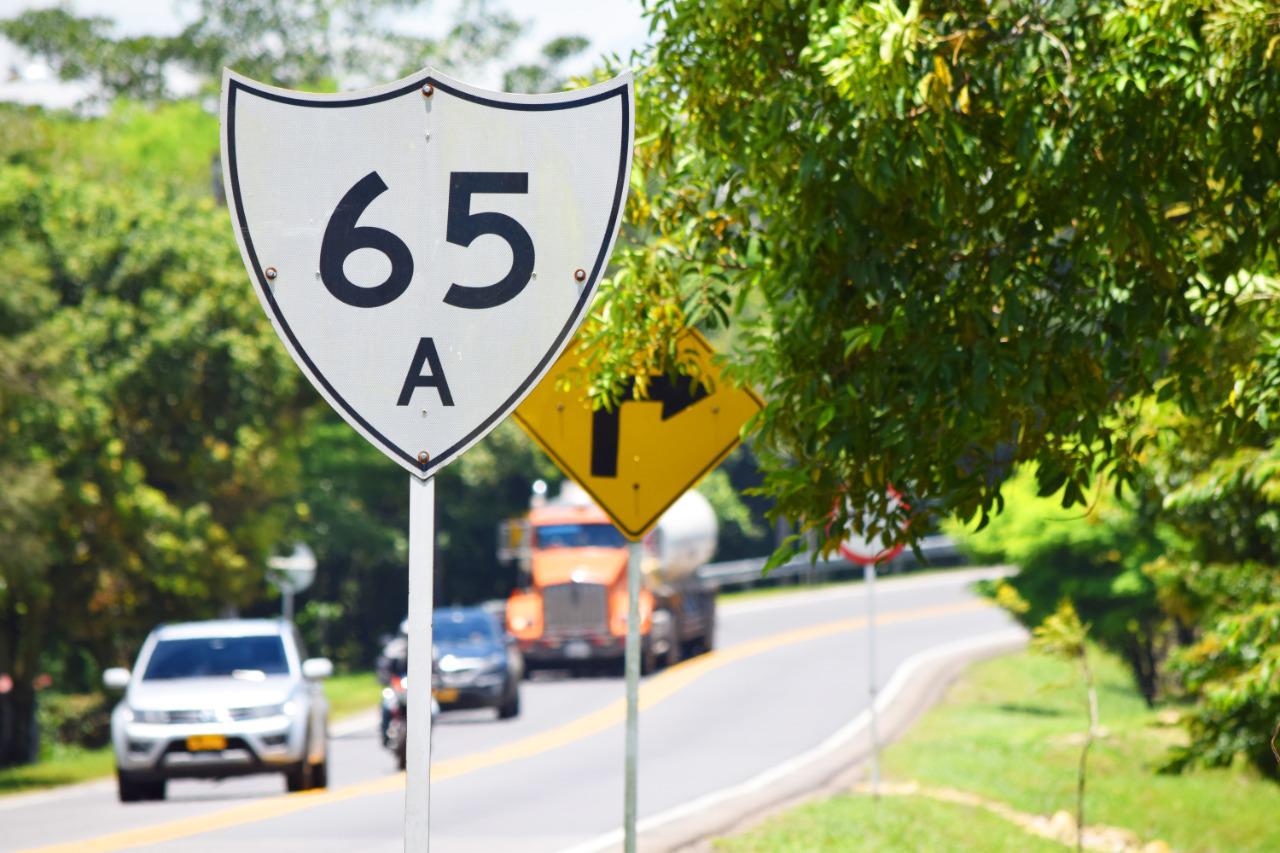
{"x":392,"y":663}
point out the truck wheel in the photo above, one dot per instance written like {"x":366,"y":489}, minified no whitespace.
{"x":648,"y":659}
{"x":667,"y":630}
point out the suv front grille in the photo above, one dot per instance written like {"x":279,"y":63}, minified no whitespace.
{"x":202,"y":716}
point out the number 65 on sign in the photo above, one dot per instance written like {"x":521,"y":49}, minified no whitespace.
{"x":425,"y":249}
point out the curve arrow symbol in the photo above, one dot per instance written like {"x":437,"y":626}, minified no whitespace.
{"x":676,"y":395}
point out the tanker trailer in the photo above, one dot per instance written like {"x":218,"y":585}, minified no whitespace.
{"x":571,"y":610}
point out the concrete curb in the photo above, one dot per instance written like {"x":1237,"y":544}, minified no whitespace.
{"x":831,"y":767}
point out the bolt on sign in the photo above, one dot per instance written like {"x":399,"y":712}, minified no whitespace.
{"x":425,"y":249}
{"x":637,"y":459}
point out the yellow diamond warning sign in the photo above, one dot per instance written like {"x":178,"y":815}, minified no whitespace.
{"x":637,"y":459}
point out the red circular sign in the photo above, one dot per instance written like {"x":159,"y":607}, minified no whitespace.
{"x":870,"y":552}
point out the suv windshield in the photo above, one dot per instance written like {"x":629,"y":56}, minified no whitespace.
{"x":580,"y":536}
{"x":214,"y":656}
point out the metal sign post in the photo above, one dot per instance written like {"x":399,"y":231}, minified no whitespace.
{"x":417,"y":790}
{"x":635,"y":551}
{"x":871,"y":554}
{"x":869,"y":579}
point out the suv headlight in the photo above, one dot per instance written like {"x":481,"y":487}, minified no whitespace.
{"x":257,"y":713}
{"x":149,"y":716}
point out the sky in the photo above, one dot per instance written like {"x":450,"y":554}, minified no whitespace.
{"x":613,"y":26}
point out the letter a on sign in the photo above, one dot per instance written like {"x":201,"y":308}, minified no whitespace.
{"x":425,"y":249}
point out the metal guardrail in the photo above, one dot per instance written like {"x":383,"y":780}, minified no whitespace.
{"x":740,"y":574}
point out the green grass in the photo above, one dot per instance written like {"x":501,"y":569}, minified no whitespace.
{"x":894,"y":823}
{"x":352,"y":693}
{"x":1010,"y":730}
{"x":66,"y":766}
{"x":348,"y":694}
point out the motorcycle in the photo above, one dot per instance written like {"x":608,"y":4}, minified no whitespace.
{"x":395,"y":718}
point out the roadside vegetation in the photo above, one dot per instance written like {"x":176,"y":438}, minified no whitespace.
{"x":1179,"y":578}
{"x":1009,"y":732}
{"x":61,"y":765}
{"x":352,"y":693}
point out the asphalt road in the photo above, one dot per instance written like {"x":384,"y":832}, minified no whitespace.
{"x":789,"y":671}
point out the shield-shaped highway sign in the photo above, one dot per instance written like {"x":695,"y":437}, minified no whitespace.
{"x":425,"y":249}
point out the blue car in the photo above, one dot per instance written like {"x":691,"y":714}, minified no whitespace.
{"x":477,"y":665}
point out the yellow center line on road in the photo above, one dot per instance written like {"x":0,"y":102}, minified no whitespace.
{"x":653,"y":691}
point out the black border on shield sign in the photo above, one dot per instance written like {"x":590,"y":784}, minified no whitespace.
{"x":587,"y":291}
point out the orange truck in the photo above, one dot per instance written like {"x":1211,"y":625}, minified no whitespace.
{"x":571,"y":608}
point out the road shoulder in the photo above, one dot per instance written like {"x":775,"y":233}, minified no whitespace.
{"x":834,"y":766}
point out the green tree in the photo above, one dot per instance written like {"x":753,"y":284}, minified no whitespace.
{"x":149,"y":411}
{"x":1220,"y":576}
{"x":960,"y":235}
{"x":1093,"y":556}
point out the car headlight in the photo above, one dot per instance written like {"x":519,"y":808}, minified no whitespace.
{"x":141,"y":716}
{"x":452,"y":663}
{"x":259,"y":712}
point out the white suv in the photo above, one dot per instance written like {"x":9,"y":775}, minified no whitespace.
{"x":215,"y":699}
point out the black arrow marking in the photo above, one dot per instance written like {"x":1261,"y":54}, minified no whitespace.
{"x":675,"y":396}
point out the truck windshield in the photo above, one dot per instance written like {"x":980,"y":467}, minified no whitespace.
{"x":217,"y":656}
{"x":580,"y":536}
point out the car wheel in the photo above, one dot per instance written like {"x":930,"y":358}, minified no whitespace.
{"x":320,"y":773}
{"x":299,"y":778}
{"x":511,"y":707}
{"x":130,"y":790}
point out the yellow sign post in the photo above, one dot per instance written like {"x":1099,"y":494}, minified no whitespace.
{"x":637,"y":459}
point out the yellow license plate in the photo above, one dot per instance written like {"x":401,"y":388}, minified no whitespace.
{"x":206,"y":743}
{"x":446,"y":694}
